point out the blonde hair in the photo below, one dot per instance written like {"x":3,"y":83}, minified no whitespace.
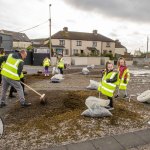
{"x":121,"y":58}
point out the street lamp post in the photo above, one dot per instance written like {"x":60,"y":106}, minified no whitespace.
{"x":147,"y":46}
{"x":50,"y":46}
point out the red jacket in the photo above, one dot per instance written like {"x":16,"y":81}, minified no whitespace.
{"x":121,"y":71}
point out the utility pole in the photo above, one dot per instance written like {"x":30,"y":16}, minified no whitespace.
{"x":50,"y":45}
{"x":147,"y":46}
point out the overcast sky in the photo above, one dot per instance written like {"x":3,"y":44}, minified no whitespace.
{"x":126,"y":20}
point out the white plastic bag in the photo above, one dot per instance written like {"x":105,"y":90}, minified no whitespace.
{"x":93,"y":85}
{"x":92,"y":102}
{"x":97,"y":112}
{"x":85,"y":71}
{"x":144,"y":97}
{"x":96,"y":107}
{"x":55,"y":70}
{"x":91,"y":66}
{"x":57,"y":78}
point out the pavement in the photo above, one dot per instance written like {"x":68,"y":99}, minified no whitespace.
{"x":125,"y":141}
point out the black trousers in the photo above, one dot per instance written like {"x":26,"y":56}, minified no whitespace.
{"x":61,"y":70}
{"x":13,"y":90}
{"x":0,"y":78}
{"x":111,"y":101}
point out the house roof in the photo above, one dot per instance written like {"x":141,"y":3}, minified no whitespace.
{"x":39,"y":40}
{"x":80,"y":36}
{"x":119,"y":45}
{"x":16,"y":36}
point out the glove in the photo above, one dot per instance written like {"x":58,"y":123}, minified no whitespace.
{"x":125,"y":81}
{"x":108,"y":80}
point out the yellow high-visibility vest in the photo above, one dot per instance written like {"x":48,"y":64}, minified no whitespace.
{"x":46,"y":62}
{"x":10,"y":68}
{"x":3,"y":62}
{"x":120,"y":82}
{"x":60,"y":63}
{"x":107,"y":88}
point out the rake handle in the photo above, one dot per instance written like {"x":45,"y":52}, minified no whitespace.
{"x":31,"y":88}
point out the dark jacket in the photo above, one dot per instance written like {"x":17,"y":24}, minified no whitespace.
{"x":16,"y":56}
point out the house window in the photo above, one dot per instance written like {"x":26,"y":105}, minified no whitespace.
{"x":79,"y":43}
{"x":107,"y":44}
{"x":62,"y":42}
{"x":75,"y":51}
{"x":110,"y":51}
{"x":105,"y":51}
{"x":94,"y":44}
{"x":82,"y":51}
{"x":66,"y":52}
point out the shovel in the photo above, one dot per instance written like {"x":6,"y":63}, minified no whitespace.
{"x":42,"y":96}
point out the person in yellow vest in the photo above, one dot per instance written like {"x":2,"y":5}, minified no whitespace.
{"x":108,"y":84}
{"x":60,"y":63}
{"x":11,"y":73}
{"x":46,"y":64}
{"x":2,"y":53}
{"x":123,"y":77}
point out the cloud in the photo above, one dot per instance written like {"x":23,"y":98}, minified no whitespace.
{"x":133,"y":10}
{"x":112,"y":34}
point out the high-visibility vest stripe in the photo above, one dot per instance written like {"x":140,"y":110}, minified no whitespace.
{"x":11,"y":65}
{"x":10,"y":72}
{"x":111,"y":91}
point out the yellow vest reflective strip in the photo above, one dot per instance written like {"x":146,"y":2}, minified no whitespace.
{"x":111,"y":91}
{"x":10,"y":72}
{"x":111,"y":84}
{"x":10,"y":68}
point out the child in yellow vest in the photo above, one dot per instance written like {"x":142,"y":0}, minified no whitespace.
{"x":108,"y":83}
{"x":46,"y":64}
{"x":123,"y":77}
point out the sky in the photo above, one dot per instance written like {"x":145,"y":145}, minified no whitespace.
{"x":126,"y":20}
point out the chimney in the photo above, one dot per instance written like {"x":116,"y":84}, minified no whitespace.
{"x":117,"y":41}
{"x":65,"y":29}
{"x":95,"y":32}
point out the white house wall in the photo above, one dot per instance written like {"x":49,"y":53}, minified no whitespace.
{"x":120,"y":51}
{"x":111,"y":48}
{"x":72,"y":44}
{"x":84,"y":46}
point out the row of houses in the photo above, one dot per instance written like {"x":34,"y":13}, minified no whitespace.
{"x":69,"y":43}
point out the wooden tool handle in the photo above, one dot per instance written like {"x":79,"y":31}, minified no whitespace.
{"x":31,"y":88}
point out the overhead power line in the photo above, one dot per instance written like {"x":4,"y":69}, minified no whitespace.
{"x":34,"y":26}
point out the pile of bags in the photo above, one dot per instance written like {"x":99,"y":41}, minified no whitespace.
{"x":96,"y":107}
